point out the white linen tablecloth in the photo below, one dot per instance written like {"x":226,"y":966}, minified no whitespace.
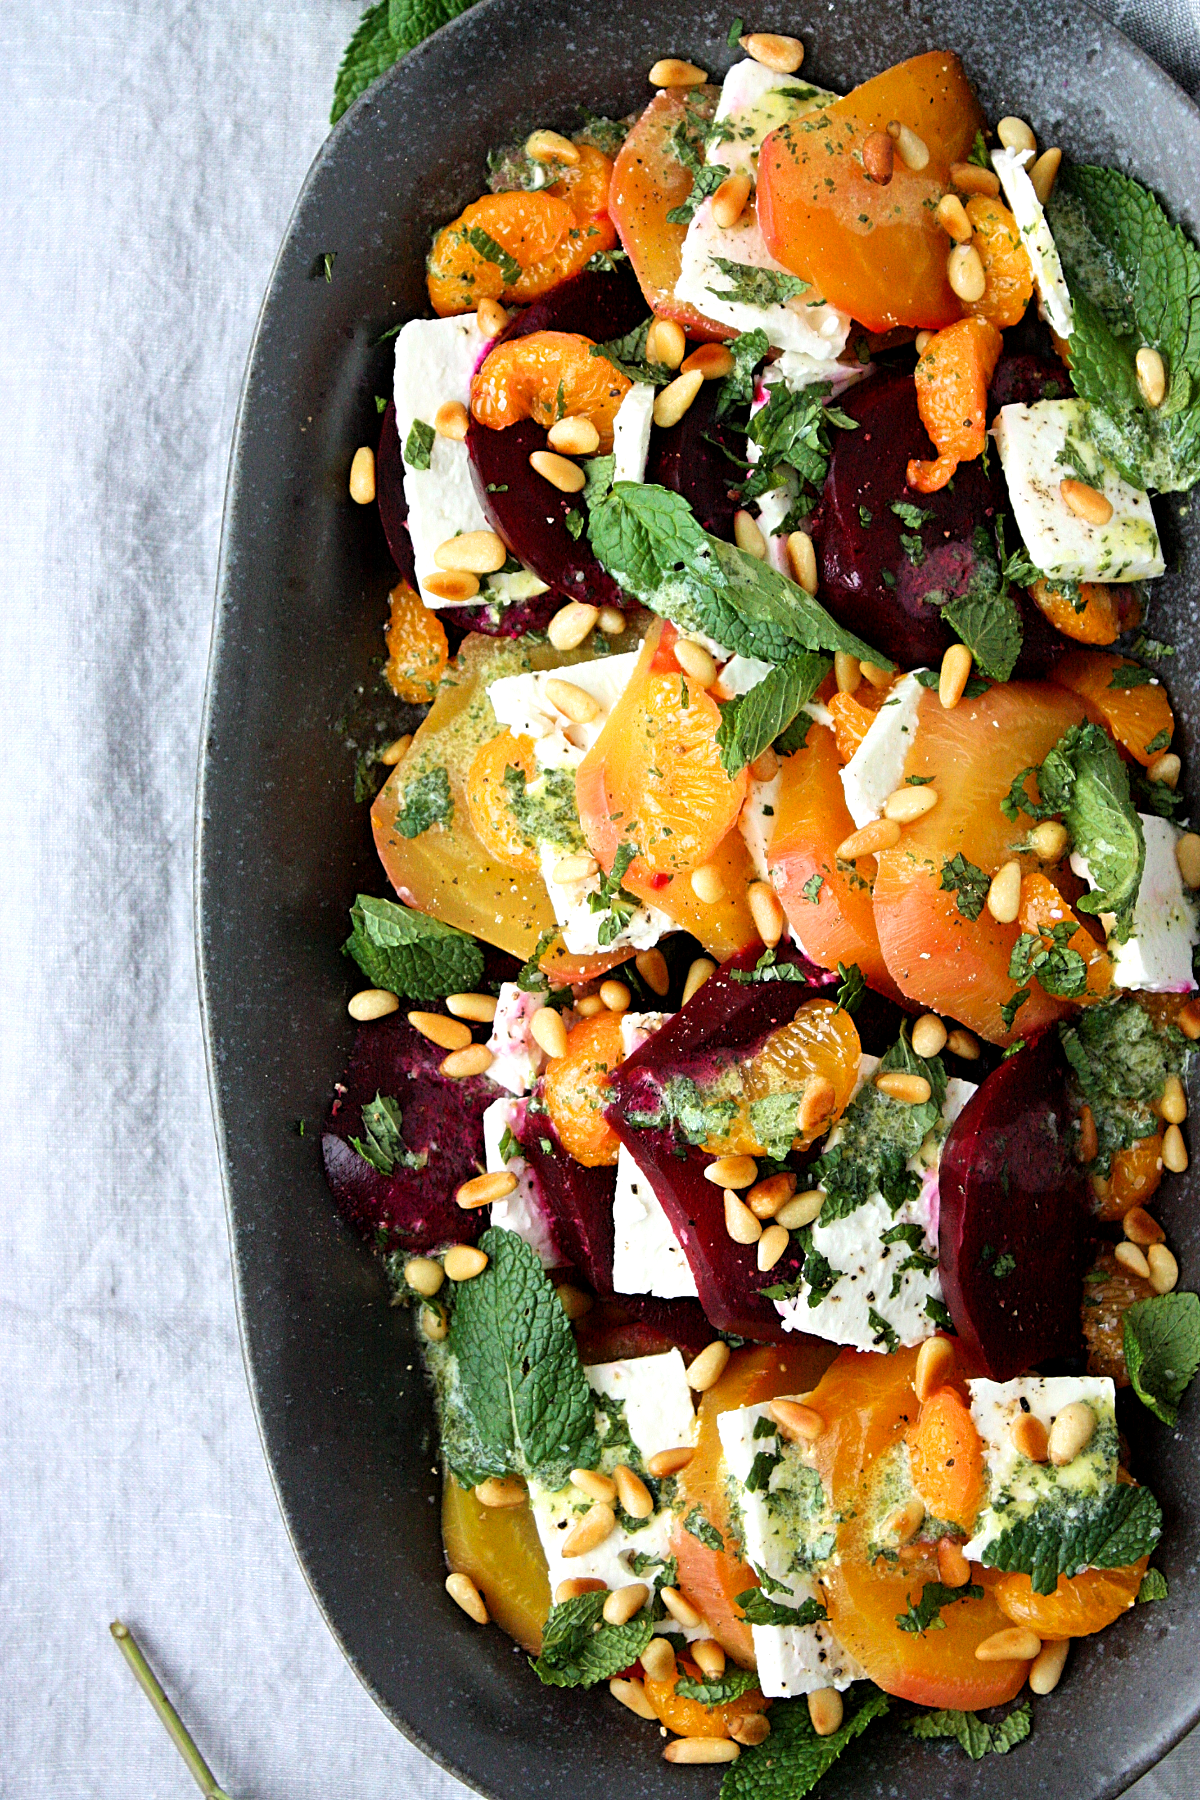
{"x":150,"y":152}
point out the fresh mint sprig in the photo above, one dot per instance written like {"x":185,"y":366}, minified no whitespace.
{"x":404,"y":952}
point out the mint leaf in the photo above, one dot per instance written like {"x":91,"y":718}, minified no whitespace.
{"x":789,"y":1763}
{"x":970,"y":1731}
{"x":1013,"y":1730}
{"x":519,"y":1369}
{"x":737,"y":389}
{"x":967,"y":882}
{"x":418,"y":445}
{"x":812,"y":889}
{"x":579,"y":1649}
{"x":1154,"y":1587}
{"x":1107,"y":1532}
{"x":426,"y":801}
{"x":1085,"y":780}
{"x":752,"y":286}
{"x":701,"y":1529}
{"x":385,"y":33}
{"x":406,"y":953}
{"x":628,"y":355}
{"x":1131,"y":675}
{"x":851,"y":988}
{"x":792,"y":430}
{"x":990,"y":626}
{"x":718,"y":1690}
{"x":687,"y":143}
{"x":882,"y":1332}
{"x":1120,"y":1057}
{"x":759,"y":1609}
{"x":486,"y":247}
{"x":644,"y":534}
{"x":752,"y":722}
{"x":926,"y":1615}
{"x":912,"y":516}
{"x":384,"y":1148}
{"x":1011,"y":1007}
{"x":1162,"y":1350}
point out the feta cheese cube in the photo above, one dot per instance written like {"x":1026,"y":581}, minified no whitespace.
{"x":1016,"y":1486}
{"x":754,"y":101}
{"x":877,"y":767}
{"x":631,"y":433}
{"x":1039,"y":446}
{"x":1054,"y":298}
{"x":521,"y":1211}
{"x":817,"y":329}
{"x":517,"y":1060}
{"x":647,"y":1258}
{"x":636,"y":1028}
{"x":756,"y":821}
{"x":1157,"y":954}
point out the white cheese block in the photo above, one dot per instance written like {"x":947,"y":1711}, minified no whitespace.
{"x":785,"y":1538}
{"x":754,"y":102}
{"x":877,"y":767}
{"x":1157,"y":955}
{"x":520,"y":1211}
{"x":517,"y":1060}
{"x":637,"y":1027}
{"x":520,"y":703}
{"x":647,"y":1258}
{"x":756,"y":821}
{"x":796,"y":324}
{"x":773,"y":508}
{"x":1040,"y":446}
{"x":1054,"y":298}
{"x":739,"y":675}
{"x":631,"y":433}
{"x":580,"y":924}
{"x":1015,"y":1486}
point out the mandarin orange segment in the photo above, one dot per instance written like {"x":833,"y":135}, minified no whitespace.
{"x":1006,"y":267}
{"x":488,"y":799}
{"x":1043,"y":908}
{"x":576,"y":1090}
{"x":546,"y":376}
{"x":820,"y":1041}
{"x":1095,"y":620}
{"x":416,"y":644}
{"x":1135,"y":1174}
{"x":1080,"y":1604}
{"x":946,"y":1453}
{"x":688,"y":1718}
{"x":952,"y":376}
{"x":1137,"y":716}
{"x":1109,"y":1291}
{"x":852,"y":719}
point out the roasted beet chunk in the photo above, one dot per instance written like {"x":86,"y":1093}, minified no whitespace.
{"x":689,"y":459}
{"x":597,"y":303}
{"x":578,"y":1201}
{"x":414,"y":1207}
{"x":1014,"y":1232}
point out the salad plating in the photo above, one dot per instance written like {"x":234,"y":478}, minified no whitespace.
{"x":779,"y":1035}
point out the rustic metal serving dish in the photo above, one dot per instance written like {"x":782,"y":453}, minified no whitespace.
{"x":344,"y":1414}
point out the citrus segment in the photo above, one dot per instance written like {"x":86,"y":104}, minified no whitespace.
{"x":1136,"y":712}
{"x":1078,"y":1606}
{"x":576,"y":1090}
{"x":416,"y":645}
{"x":952,"y":376}
{"x":545,"y":376}
{"x":488,"y":802}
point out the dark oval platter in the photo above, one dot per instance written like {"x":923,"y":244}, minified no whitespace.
{"x":345,"y":1417}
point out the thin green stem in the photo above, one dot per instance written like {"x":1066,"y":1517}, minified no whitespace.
{"x":150,"y":1685}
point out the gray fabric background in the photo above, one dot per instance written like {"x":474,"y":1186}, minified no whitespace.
{"x":150,"y":152}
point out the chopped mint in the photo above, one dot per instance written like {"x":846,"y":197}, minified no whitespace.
{"x":425,"y":802}
{"x":792,"y":431}
{"x":405,"y":952}
{"x":485,"y":246}
{"x":418,"y":445}
{"x":382,"y":1145}
{"x":628,"y":355}
{"x":812,"y":889}
{"x":750,"y":285}
{"x":700,"y":1528}
{"x":926,"y":1615}
{"x":579,"y":1649}
{"x":759,"y":1609}
{"x":967,"y":882}
{"x":737,"y":389}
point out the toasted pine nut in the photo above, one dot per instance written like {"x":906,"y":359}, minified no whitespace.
{"x":634,"y":1495}
{"x":729,"y":201}
{"x":1089,"y":1137}
{"x":481,"y":1190}
{"x":423,"y":1275}
{"x":704,"y":966}
{"x":798,"y":1423}
{"x":577,"y":865}
{"x":700,"y":1749}
{"x":708,"y":1655}
{"x":1048,"y":1665}
{"x":658,"y":1660}
{"x":1072,"y":1431}
{"x":748,"y":537}
{"x":1133,"y":1259}
{"x":1086,"y":502}
{"x":447,"y":1034}
{"x":876,"y":674}
{"x":575,"y":703}
{"x":1174,"y":1150}
{"x":571,"y":624}
{"x":576,"y":1586}
{"x":765,"y":766}
{"x":751,"y":1728}
{"x":783,"y":54}
{"x":679,"y":1608}
{"x":1015,"y":134}
{"x":909,"y":803}
{"x":669,"y":1462}
{"x":651,"y":965}
{"x":951,"y":215}
{"x":1004,"y":894}
{"x":954,"y":675}
{"x":611,"y":621}
{"x":670,"y":72}
{"x":372,"y":1003}
{"x":903,"y":1523}
{"x":817,"y":1103}
{"x":1140,"y":1228}
{"x":481,"y":1008}
{"x":574,"y":1303}
{"x":1017,"y":1644}
{"x":597,"y":1523}
{"x":1030,"y":1438}
{"x":803,"y":560}
{"x":766,"y":912}
{"x":566,"y":476}
{"x":964,"y":272}
{"x":594,"y":1484}
{"x":478,"y":552}
{"x":847,"y":672}
{"x":914,"y":151}
{"x":435,"y":1323}
{"x":1188,"y":1017}
{"x":396,"y":751}
{"x":1187,"y":855}
{"x":1173,"y":1101}
{"x":953,"y":1568}
{"x":878,"y":157}
{"x":623,"y":1602}
{"x":551,"y":147}
{"x":707,"y":1368}
{"x":501,"y":1493}
{"x":732,"y":1172}
{"x":491,"y":318}
{"x":1100,"y":1186}
{"x":362,"y":476}
{"x":964,"y":1044}
{"x":969,"y":178}
{"x":1049,"y":840}
{"x":573,"y":436}
{"x":632,"y":1694}
{"x":910,"y":1090}
{"x":802,"y":1210}
{"x":922,"y":341}
{"x":1164,"y":1270}
{"x":548,"y":1032}
{"x":935,"y":1360}
{"x":740,"y":1222}
{"x":928,"y":1036}
{"x":826,"y":1710}
{"x":451,"y":584}
{"x":463,"y":1591}
{"x":666,"y":343}
{"x":766,"y":1197}
{"x":1044,"y":173}
{"x":615,"y":995}
{"x":671,"y":402}
{"x":771,"y":1246}
{"x":708,"y":884}
{"x":460,"y":1065}
{"x":590,"y":1007}
{"x":1165,"y":768}
{"x":462,"y":1262}
{"x":451,"y":420}
{"x":714,"y":361}
{"x":1151,"y":376}
{"x":879,"y":834}
{"x":696,"y":662}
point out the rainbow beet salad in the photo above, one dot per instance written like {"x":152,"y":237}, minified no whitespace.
{"x":775,"y":1029}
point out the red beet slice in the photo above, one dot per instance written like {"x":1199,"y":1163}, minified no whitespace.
{"x":1015,"y":1232}
{"x":596,"y":303}
{"x":579,"y":1201}
{"x":1021,"y":379}
{"x":638,"y":1325}
{"x":389,"y":496}
{"x":688,"y":459}
{"x":414,"y":1207}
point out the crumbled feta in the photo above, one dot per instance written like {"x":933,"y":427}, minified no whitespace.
{"x":1015,"y":1486}
{"x":631,"y":433}
{"x":1040,"y":446}
{"x":756,"y":821}
{"x":580,"y":923}
{"x":647,"y":1258}
{"x":773,"y":508}
{"x":517,"y":1060}
{"x":816,"y":328}
{"x":788,"y":1530}
{"x":521,"y":1211}
{"x":754,"y":102}
{"x":1157,"y":954}
{"x":1054,"y":297}
{"x":636,"y":1028}
{"x":877,"y":767}
{"x":739,"y":675}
